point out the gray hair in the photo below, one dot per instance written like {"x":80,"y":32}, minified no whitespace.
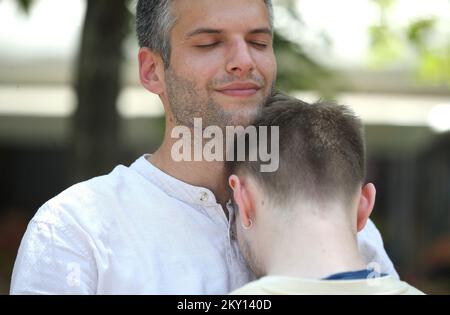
{"x":154,"y":21}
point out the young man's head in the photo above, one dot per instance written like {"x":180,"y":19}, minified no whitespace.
{"x":319,"y":180}
{"x":209,"y":59}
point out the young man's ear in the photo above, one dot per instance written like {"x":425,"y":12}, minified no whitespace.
{"x":243,"y":199}
{"x":366,"y":204}
{"x":151,"y":70}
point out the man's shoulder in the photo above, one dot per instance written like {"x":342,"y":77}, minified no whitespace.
{"x":101,"y":188}
{"x":371,"y":247}
{"x":98,"y":199}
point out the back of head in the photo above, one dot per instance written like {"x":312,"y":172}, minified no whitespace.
{"x":321,"y":153}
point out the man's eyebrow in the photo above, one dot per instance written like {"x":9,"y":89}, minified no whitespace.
{"x":262,"y":30}
{"x":203,"y":30}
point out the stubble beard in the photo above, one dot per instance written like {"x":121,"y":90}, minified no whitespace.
{"x":187,"y":102}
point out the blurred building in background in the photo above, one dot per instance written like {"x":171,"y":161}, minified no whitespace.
{"x":387,"y":59}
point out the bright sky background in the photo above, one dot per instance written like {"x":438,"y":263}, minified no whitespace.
{"x":53,"y":27}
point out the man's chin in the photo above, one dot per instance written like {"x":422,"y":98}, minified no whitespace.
{"x":243,"y":116}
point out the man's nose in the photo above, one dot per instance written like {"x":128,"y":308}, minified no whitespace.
{"x":240,"y":62}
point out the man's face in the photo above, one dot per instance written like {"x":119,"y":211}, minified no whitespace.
{"x":222,"y":65}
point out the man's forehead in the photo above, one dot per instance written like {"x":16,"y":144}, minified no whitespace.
{"x":224,"y":15}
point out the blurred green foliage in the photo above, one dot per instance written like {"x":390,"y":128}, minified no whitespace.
{"x":420,"y":38}
{"x":25,"y":4}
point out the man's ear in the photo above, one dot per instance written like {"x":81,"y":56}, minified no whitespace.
{"x":366,"y":204}
{"x":243,"y":199}
{"x":150,"y":70}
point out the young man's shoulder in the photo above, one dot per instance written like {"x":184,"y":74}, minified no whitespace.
{"x":387,"y":285}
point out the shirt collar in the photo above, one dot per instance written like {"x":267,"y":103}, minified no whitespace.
{"x":174,"y":187}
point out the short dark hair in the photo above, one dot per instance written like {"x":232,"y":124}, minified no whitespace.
{"x":321,"y":151}
{"x":154,"y":22}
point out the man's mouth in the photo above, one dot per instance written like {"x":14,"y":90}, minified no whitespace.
{"x":239,"y":89}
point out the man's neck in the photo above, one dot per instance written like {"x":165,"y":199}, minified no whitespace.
{"x":210,"y":175}
{"x":314,"y":251}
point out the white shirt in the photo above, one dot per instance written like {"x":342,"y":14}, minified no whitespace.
{"x":139,"y":231}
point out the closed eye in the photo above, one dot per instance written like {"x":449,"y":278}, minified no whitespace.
{"x":259,"y":45}
{"x":208,"y":45}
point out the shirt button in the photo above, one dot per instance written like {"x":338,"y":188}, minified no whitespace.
{"x":204,"y":196}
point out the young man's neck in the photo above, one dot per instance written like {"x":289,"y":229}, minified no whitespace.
{"x":314,"y":249}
